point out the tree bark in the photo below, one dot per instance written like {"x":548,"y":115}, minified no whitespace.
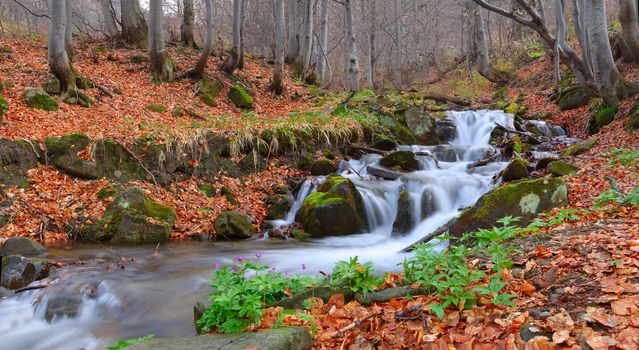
{"x":481,"y":46}
{"x":397,"y":68}
{"x":322,"y":52}
{"x":161,"y":65}
{"x":353,"y":64}
{"x":58,"y":56}
{"x":278,"y":12}
{"x":293,"y":48}
{"x":134,"y":29}
{"x":630,"y":23}
{"x":233,"y":60}
{"x":68,"y":31}
{"x":200,"y":66}
{"x":109,"y":18}
{"x":370,"y":55}
{"x":188,"y":24}
{"x":240,"y":63}
{"x":306,"y":47}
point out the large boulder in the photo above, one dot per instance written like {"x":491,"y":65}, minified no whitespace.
{"x":133,"y":218}
{"x":404,"y":220}
{"x":335,"y":209}
{"x":579,"y":147}
{"x":422,"y":126}
{"x":517,"y":169}
{"x":445,"y":130}
{"x":209,"y":90}
{"x":523,"y":199}
{"x":288,"y":338}
{"x":561,"y":168}
{"x":37,"y":98}
{"x":240,"y":98}
{"x":277,"y":207}
{"x":401,"y":161}
{"x":573,"y":98}
{"x":62,"y":153}
{"x":323,"y":166}
{"x":18,"y":271}
{"x":62,"y":304}
{"x":16,"y":158}
{"x":21,"y":246}
{"x":233,"y":225}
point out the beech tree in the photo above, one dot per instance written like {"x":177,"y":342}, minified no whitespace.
{"x":233,"y":60}
{"x":398,"y":44}
{"x":278,"y":14}
{"x":303,"y":63}
{"x":188,"y":24}
{"x":200,"y":66}
{"x":161,"y":65}
{"x":322,"y":51}
{"x":482,"y":55}
{"x":630,"y":23}
{"x":134,"y":29}
{"x":370,"y":18}
{"x":109,"y":18}
{"x":292,"y":48}
{"x":353,"y":63}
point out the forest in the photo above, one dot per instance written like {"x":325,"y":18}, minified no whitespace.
{"x":319,"y":174}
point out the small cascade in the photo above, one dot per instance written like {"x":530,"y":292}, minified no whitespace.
{"x":307,"y":187}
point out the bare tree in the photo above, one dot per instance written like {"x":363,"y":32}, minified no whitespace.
{"x":233,"y":59}
{"x":293,"y":48}
{"x":353,"y":64}
{"x":276,"y":84}
{"x":240,"y":63}
{"x":161,"y":65}
{"x":371,"y":18}
{"x":630,"y":23}
{"x":68,"y":31}
{"x":306,"y":46}
{"x":187,"y":27}
{"x":134,"y":29}
{"x":200,"y":66}
{"x":322,"y":52}
{"x":397,"y":68}
{"x":109,"y":18}
{"x":481,"y":48}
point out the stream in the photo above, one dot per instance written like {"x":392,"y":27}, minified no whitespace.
{"x":124,"y":292}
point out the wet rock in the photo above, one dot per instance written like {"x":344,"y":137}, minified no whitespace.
{"x":198,"y":311}
{"x":445,"y":129}
{"x":277,"y":207}
{"x":384,"y":144}
{"x":404,"y":220}
{"x":401,"y":161}
{"x":288,"y":338}
{"x":21,"y":246}
{"x":335,"y":209}
{"x":133,"y":218}
{"x":209,"y":90}
{"x":517,"y":169}
{"x":233,"y":225}
{"x":240,"y":98}
{"x":37,"y":98}
{"x":422,"y":126}
{"x":523,"y":199}
{"x":579,"y":147}
{"x":383,"y":173}
{"x":429,"y":206}
{"x":16,"y":158}
{"x":62,"y":304}
{"x":573,"y":98}
{"x":561,"y":168}
{"x":18,"y":271}
{"x":322,"y":167}
{"x":543,"y":163}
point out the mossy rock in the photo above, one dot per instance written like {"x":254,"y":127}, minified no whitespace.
{"x":114,"y":162}
{"x":209,"y":90}
{"x":16,"y":158}
{"x":579,"y":147}
{"x":633,"y":122}
{"x":603,"y":116}
{"x":139,"y":59}
{"x":403,"y":135}
{"x":18,"y":271}
{"x":156,"y":108}
{"x":422,"y":126}
{"x":240,"y":97}
{"x":106,"y":192}
{"x":208,"y":190}
{"x":335,"y":209}
{"x":322,"y":167}
{"x":561,"y":168}
{"x":77,"y":97}
{"x":401,"y":161}
{"x":573,"y":98}
{"x":133,"y":218}
{"x":301,"y":235}
{"x":62,"y":153}
{"x":517,"y":169}
{"x":73,"y":143}
{"x":228,"y":195}
{"x":4,"y":107}
{"x":52,"y":86}
{"x":233,"y":225}
{"x":522,"y":199}
{"x":21,"y":246}
{"x":277,"y":207}
{"x":404,"y":220}
{"x":384,"y":143}
{"x":37,"y":98}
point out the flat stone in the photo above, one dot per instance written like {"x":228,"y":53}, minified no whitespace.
{"x":289,"y":338}
{"x":21,"y":246}
{"x":383,"y":172}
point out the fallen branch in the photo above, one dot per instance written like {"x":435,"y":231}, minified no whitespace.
{"x":440,"y":231}
{"x":369,"y":150}
{"x":27,"y":288}
{"x":340,"y":333}
{"x":141,"y":164}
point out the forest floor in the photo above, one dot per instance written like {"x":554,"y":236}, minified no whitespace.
{"x":576,"y":280}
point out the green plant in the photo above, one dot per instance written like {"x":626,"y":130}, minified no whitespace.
{"x":242,"y":291}
{"x":618,"y":198}
{"x":358,"y":277}
{"x":301,"y":315}
{"x":622,"y":156}
{"x":121,"y":344}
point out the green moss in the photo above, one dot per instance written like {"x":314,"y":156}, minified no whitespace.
{"x":208,"y":190}
{"x":156,"y":108}
{"x":401,"y":161}
{"x":228,"y":195}
{"x":512,"y":108}
{"x":106,"y":192}
{"x":139,"y":59}
{"x":301,"y":235}
{"x":57,"y":146}
{"x":633,"y":123}
{"x":4,"y":106}
{"x":240,"y":97}
{"x":318,"y":199}
{"x":209,"y":90}
{"x":560,"y":168}
{"x":579,"y":147}
{"x":517,"y":169}
{"x":161,"y":212}
{"x":331,"y":183}
{"x":603,"y":116}
{"x":37,"y":98}
{"x":517,"y":144}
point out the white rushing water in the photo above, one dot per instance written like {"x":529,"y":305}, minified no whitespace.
{"x":155,"y":290}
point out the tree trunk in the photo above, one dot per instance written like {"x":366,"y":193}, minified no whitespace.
{"x":134,"y":29}
{"x":398,"y":44}
{"x":481,"y":45}
{"x":293,"y":47}
{"x":58,"y":56}
{"x":322,"y":52}
{"x":161,"y":65}
{"x":371,"y":18}
{"x":68,"y":31}
{"x":200,"y":66}
{"x":577,"y":65}
{"x":187,"y":27}
{"x":240,"y":63}
{"x":353,"y":64}
{"x":233,"y":60}
{"x":278,"y":11}
{"x":630,"y":23}
{"x":109,"y":18}
{"x":306,"y":47}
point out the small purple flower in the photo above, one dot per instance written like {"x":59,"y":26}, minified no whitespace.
{"x":258,"y":256}
{"x":285,"y":273}
{"x":272,"y":277}
{"x":218,"y":266}
{"x":303,"y":266}
{"x":240,"y":259}
{"x":235,"y":269}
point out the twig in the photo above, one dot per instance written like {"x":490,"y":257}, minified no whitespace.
{"x":355,"y":323}
{"x":27,"y":288}
{"x":31,"y":12}
{"x":141,"y":164}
